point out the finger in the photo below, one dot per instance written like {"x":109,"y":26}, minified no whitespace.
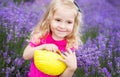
{"x":74,"y":53}
{"x":66,"y":53}
{"x":54,"y":50}
{"x":55,"y":47}
{"x":50,"y":49}
{"x":62,"y":60}
{"x":63,"y":55}
{"x":69,"y":50}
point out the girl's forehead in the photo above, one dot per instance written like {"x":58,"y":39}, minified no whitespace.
{"x":64,"y":13}
{"x":65,"y":10}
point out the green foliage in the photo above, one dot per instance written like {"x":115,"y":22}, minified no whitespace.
{"x":91,"y":32}
{"x":79,"y":72}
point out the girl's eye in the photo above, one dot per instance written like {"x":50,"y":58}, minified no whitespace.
{"x":69,"y":22}
{"x":57,"y":20}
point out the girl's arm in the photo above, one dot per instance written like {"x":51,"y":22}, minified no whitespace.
{"x":71,"y":62}
{"x":67,"y":73}
{"x":29,"y":50}
{"x":31,"y":47}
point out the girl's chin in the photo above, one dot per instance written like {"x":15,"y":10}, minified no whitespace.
{"x":59,"y":37}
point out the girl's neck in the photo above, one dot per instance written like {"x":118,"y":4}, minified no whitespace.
{"x":57,"y":38}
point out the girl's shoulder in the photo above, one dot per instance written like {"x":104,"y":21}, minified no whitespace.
{"x":37,"y":39}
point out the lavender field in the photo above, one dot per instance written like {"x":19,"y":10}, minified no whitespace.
{"x":99,"y":56}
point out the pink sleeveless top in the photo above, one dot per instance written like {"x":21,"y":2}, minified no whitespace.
{"x":34,"y":72}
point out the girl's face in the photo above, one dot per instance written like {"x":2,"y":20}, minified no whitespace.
{"x":62,"y":23}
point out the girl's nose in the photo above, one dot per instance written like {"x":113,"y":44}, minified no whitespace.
{"x":62,"y":25}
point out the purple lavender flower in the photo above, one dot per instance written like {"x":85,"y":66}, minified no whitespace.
{"x":19,"y":61}
{"x":117,"y":63}
{"x":105,"y":71}
{"x":5,"y":54}
{"x":18,"y":74}
{"x":8,"y":60}
{"x":7,"y":72}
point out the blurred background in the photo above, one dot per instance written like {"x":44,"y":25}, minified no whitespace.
{"x":99,"y":56}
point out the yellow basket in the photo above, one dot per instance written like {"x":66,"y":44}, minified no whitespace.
{"x":48,"y":62}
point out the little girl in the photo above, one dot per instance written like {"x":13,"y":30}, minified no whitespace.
{"x":58,"y":30}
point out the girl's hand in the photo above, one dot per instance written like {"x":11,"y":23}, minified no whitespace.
{"x":69,"y":59}
{"x":50,"y":47}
